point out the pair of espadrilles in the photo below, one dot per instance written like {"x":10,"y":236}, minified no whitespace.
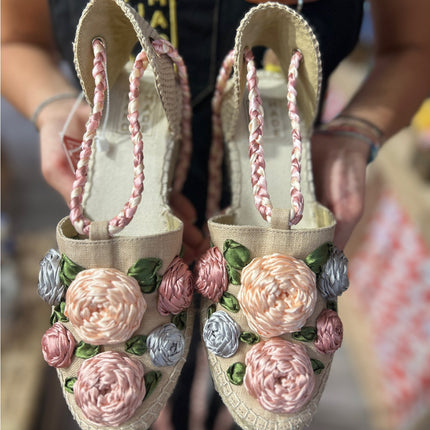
{"x":120,"y":293}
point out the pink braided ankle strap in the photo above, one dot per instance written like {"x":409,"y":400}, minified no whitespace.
{"x":115,"y":225}
{"x":297,"y":201}
{"x":256,"y":153}
{"x":255,"y":149}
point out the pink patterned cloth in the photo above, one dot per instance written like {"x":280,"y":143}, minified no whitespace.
{"x":211,"y":275}
{"x":105,"y":306}
{"x":329,"y":332}
{"x":278,"y":294}
{"x":390,"y":279}
{"x":110,"y":387}
{"x":176,"y":288}
{"x":58,"y":345}
{"x":279,"y":375}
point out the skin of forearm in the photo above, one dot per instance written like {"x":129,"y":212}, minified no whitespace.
{"x":400,"y":78}
{"x":394,"y":89}
{"x":30,"y":74}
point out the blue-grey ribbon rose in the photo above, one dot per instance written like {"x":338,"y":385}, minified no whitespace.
{"x":50,"y":288}
{"x":166,"y":345}
{"x":333,"y":280}
{"x":221,"y":334}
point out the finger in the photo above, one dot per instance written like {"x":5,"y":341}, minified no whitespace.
{"x":347,"y":212}
{"x":192,"y":254}
{"x":188,"y":254}
{"x":342,"y":234}
{"x":59,"y":176}
{"x":63,"y":185}
{"x":195,"y":243}
{"x":163,"y":422}
{"x":203,"y":247}
{"x":192,"y":235}
{"x":182,"y":207}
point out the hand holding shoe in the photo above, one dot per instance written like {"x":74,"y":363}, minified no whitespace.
{"x":339,"y":168}
{"x":195,"y":244}
{"x":55,"y":165}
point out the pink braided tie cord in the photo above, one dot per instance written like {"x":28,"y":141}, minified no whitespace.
{"x":217,"y":146}
{"x":256,"y":153}
{"x":255,"y":150}
{"x":81,"y":223}
{"x":297,"y":202}
{"x":162,"y":46}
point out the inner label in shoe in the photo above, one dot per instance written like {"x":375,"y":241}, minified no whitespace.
{"x":148,"y":108}
{"x":275,"y":116}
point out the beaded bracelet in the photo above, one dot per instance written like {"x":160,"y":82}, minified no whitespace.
{"x":47,"y":102}
{"x":358,"y":128}
{"x":361,"y":122}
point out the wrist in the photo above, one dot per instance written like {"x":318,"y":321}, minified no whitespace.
{"x":53,"y":106}
{"x":337,"y":147}
{"x":356,"y":129}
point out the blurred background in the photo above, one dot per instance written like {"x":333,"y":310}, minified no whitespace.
{"x":380,"y":379}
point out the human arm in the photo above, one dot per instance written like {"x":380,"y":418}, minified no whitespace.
{"x":31,"y":75}
{"x":392,"y":92}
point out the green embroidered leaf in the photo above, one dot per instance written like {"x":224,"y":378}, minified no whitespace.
{"x":68,"y":270}
{"x":136,"y":345}
{"x":58,"y":314}
{"x":236,"y":254}
{"x":229,"y":302}
{"x":180,"y":320}
{"x":249,"y":337}
{"x":332,"y":305}
{"x":233,"y":275}
{"x":151,"y":380}
{"x":69,"y":383}
{"x":145,"y":272}
{"x":85,"y":350}
{"x":236,"y":373}
{"x":306,"y":334}
{"x":317,"y":366}
{"x":211,"y":310}
{"x":317,"y":258}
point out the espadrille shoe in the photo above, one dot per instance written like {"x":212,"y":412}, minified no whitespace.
{"x":121,"y":295}
{"x":272,"y":277}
